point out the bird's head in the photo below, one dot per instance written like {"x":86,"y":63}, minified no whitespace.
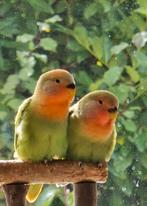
{"x":57,"y":86}
{"x":101,"y":106}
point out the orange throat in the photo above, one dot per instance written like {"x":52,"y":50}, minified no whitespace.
{"x":95,"y":131}
{"x":52,"y":111}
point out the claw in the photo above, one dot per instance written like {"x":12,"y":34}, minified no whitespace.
{"x":80,"y":163}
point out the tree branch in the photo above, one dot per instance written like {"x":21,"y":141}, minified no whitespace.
{"x":57,"y":171}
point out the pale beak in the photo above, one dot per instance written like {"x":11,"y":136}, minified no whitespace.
{"x":113,"y":111}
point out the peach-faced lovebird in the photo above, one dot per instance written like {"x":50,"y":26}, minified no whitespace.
{"x":41,"y":121}
{"x":91,"y":129}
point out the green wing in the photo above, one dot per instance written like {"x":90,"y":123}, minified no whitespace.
{"x":19,"y":117}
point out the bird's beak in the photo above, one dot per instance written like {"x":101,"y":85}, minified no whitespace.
{"x":113,"y":115}
{"x":71,"y":86}
{"x":113,"y":111}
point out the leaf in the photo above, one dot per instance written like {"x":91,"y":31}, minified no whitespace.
{"x":134,"y":75}
{"x":118,"y":48}
{"x":41,"y":6}
{"x":84,"y":78}
{"x":140,"y":39}
{"x":142,"y":88}
{"x":143,"y":118}
{"x":140,"y":141}
{"x":142,"y":7}
{"x":81,"y":35}
{"x":74,"y":46}
{"x":10,"y":85}
{"x":3,"y":115}
{"x":129,"y":125}
{"x":96,"y":44}
{"x":25,"y":73}
{"x":54,"y":19}
{"x":142,"y":11}
{"x":122,"y":92}
{"x":6,"y":24}
{"x":112,"y":75}
{"x":26,"y":60}
{"x":30,"y":84}
{"x":144,"y":159}
{"x":90,"y":10}
{"x":106,"y":5}
{"x":48,"y":44}
{"x":14,"y":103}
{"x":8,"y":43}
{"x":106,"y":48}
{"x":41,"y":57}
{"x":121,"y":140}
{"x":44,"y":27}
{"x":122,"y":162}
{"x":116,"y":199}
{"x":140,"y":58}
{"x":25,"y":38}
{"x":129,"y":114}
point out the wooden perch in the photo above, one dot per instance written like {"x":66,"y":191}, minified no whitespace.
{"x":57,"y":171}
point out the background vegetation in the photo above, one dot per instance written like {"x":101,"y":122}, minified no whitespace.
{"x":103,"y":43}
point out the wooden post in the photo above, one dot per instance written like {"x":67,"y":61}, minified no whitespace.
{"x":15,"y":194}
{"x":85,"y":194}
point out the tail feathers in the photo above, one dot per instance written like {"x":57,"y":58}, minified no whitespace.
{"x":33,"y":192}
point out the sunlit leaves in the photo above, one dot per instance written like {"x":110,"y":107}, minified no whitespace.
{"x":11,"y":83}
{"x":97,"y":46}
{"x":139,"y":140}
{"x":118,"y":48}
{"x":112,"y":75}
{"x":143,"y":7}
{"x":90,"y":10}
{"x":134,"y":75}
{"x":48,"y":44}
{"x":129,"y":125}
{"x":81,"y":35}
{"x":140,"y":39}
{"x":41,"y":6}
{"x":140,"y":58}
{"x":122,"y":161}
{"x":25,"y":38}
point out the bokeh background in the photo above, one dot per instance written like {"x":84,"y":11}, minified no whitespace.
{"x":103,"y":43}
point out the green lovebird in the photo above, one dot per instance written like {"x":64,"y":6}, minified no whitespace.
{"x":41,"y":121}
{"x":91,"y":129}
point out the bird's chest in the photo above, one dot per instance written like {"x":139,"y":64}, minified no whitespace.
{"x":42,"y":129}
{"x":95,"y":132}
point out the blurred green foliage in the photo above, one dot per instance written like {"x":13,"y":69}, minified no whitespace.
{"x":103,"y":43}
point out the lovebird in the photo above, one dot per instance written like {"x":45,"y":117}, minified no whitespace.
{"x":91,"y":129}
{"x":41,"y":121}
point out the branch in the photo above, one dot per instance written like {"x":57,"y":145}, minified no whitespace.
{"x":57,"y":171}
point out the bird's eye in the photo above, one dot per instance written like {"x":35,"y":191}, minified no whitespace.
{"x":57,"y":81}
{"x":100,"y":101}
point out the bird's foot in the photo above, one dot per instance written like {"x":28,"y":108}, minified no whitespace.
{"x":101,"y":164}
{"x":80,"y":163}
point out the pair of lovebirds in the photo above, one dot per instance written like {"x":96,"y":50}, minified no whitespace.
{"x":47,"y":128}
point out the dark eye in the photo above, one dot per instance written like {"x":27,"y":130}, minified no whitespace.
{"x":100,"y":101}
{"x":57,"y":81}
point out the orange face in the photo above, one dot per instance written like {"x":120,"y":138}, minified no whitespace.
{"x":54,"y":92}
